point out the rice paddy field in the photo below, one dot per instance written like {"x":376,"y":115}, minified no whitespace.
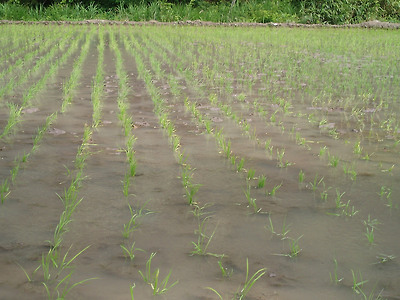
{"x":184,"y":162}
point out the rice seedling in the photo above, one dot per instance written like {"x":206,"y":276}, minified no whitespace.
{"x":324,"y":193}
{"x":225,"y":272}
{"x":281,"y":162}
{"x":333,"y":160}
{"x":251,"y":201}
{"x":61,"y":286}
{"x":249,"y":282}
{"x":322,"y":151}
{"x":126,"y":183}
{"x":349,"y":169}
{"x":261,"y":181}
{"x":244,"y":289}
{"x":130,"y":155}
{"x":4,"y":190}
{"x":13,"y":119}
{"x":357,"y":148}
{"x":358,"y":282}
{"x":345,"y":210}
{"x":284,"y":231}
{"x":301,"y":176}
{"x":268,"y":144}
{"x":338,"y":200}
{"x":130,"y":226}
{"x":250,"y":174}
{"x":240,"y":165}
{"x":294,"y":247}
{"x":334,"y":277}
{"x":370,"y":235}
{"x":191,"y":190}
{"x":372,"y":223}
{"x":314,"y":185}
{"x":273,"y":190}
{"x":131,"y":288}
{"x":152,"y":278}
{"x":130,"y":251}
{"x":203,"y":240}
{"x":199,"y":211}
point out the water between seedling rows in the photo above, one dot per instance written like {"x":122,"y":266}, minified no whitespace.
{"x":31,"y":212}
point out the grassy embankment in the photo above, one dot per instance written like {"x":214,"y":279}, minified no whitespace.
{"x":330,"y":12}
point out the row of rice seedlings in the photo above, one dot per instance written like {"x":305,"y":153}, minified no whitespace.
{"x":345,"y":208}
{"x":203,"y":238}
{"x":30,"y":43}
{"x":19,"y":161}
{"x":152,"y":278}
{"x":128,"y":247}
{"x":18,"y":40}
{"x":349,"y":212}
{"x":333,"y":160}
{"x":56,"y":268}
{"x":161,"y":111}
{"x":225,"y":146}
{"x":25,"y":60}
{"x":207,"y":54}
{"x":226,"y":108}
{"x":72,"y":82}
{"x":70,"y":198}
{"x":126,"y":122}
{"x":294,"y":247}
{"x":57,"y":285}
{"x":70,"y":86}
{"x":38,"y":66}
{"x":16,"y":110}
{"x":98,"y":84}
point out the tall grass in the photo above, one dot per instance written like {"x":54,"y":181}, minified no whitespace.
{"x":332,"y":12}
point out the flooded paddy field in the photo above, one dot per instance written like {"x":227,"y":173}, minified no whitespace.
{"x":199,"y":163}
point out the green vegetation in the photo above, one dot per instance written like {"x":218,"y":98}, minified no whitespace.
{"x":274,"y":134}
{"x":309,"y":11}
{"x":152,"y":278}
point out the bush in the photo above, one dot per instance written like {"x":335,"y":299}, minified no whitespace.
{"x":346,"y":11}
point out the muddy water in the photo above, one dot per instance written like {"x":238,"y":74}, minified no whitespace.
{"x":31,"y":212}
